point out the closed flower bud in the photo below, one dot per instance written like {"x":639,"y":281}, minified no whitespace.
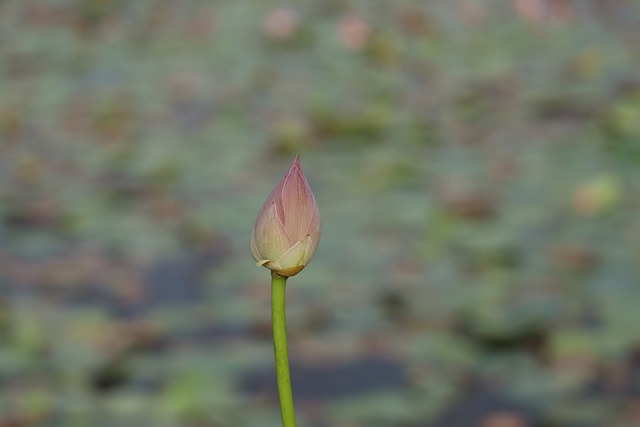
{"x":287,"y":230}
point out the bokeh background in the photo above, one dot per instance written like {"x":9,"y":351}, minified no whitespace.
{"x":476,"y":164}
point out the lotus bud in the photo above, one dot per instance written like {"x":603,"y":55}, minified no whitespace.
{"x":287,"y":230}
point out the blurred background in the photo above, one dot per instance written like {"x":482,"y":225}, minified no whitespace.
{"x":476,"y":168}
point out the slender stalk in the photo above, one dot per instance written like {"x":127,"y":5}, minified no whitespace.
{"x":279,"y":319}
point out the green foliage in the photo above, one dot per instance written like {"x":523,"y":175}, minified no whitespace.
{"x":476,"y":169}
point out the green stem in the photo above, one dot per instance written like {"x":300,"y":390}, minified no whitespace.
{"x":279,"y":319}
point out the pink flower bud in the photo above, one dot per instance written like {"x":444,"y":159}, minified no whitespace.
{"x":287,"y":230}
